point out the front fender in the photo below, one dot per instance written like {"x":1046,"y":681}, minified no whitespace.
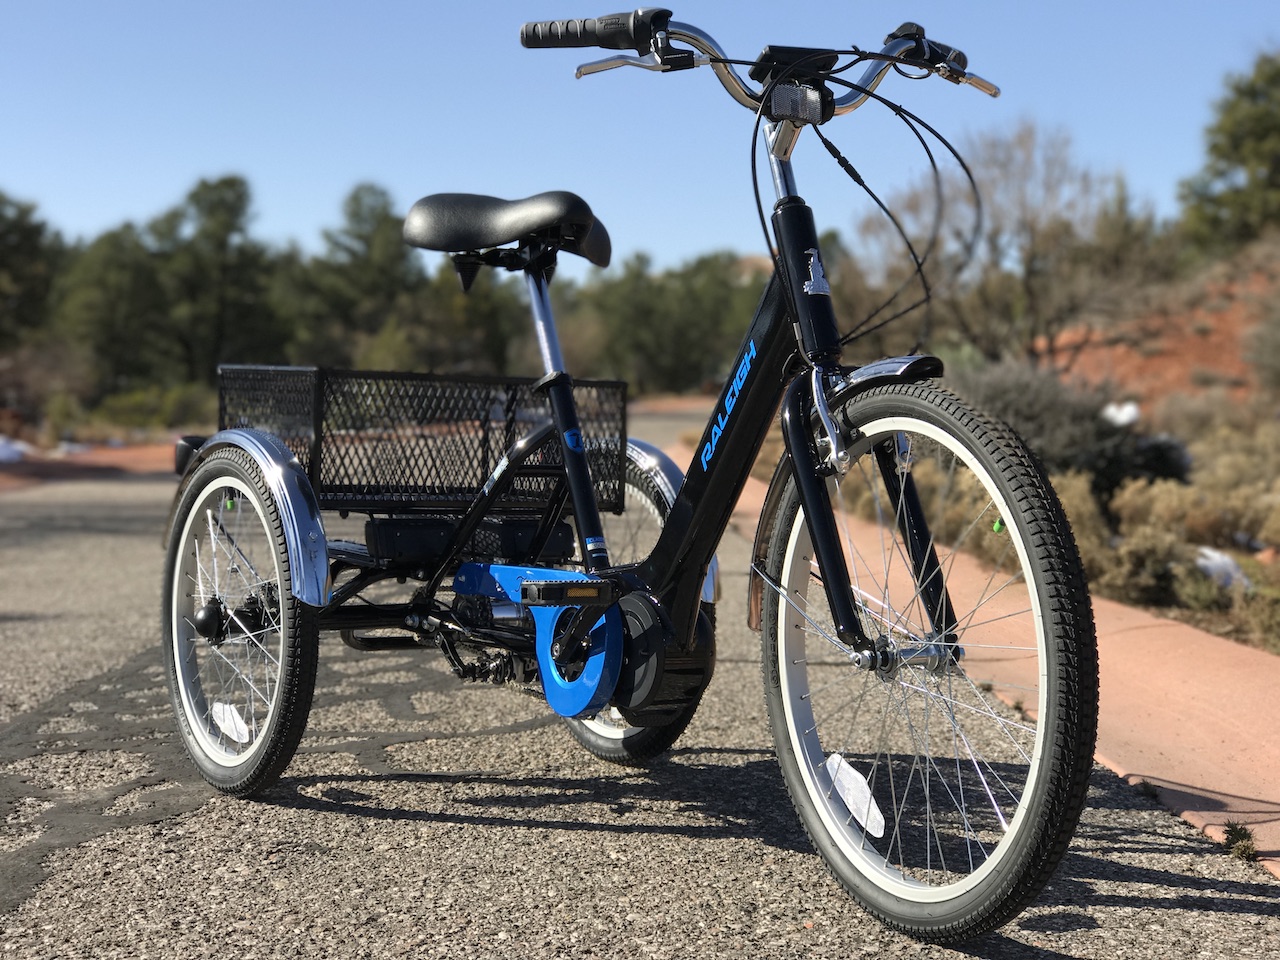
{"x":911,"y":369}
{"x":296,"y":505}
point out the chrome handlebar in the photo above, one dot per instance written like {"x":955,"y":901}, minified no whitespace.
{"x":709,"y":53}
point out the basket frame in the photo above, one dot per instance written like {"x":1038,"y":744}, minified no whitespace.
{"x":389,"y":441}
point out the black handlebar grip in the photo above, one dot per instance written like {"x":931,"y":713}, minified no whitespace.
{"x":930,"y":50}
{"x":560,"y":33}
{"x":940,"y":51}
{"x":615,"y":31}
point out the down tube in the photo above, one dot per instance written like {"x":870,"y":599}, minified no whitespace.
{"x":722,"y":462}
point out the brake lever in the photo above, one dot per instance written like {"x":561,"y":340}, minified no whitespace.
{"x":986,"y":86}
{"x":952,"y":71}
{"x":665,"y":59}
{"x":648,"y":62}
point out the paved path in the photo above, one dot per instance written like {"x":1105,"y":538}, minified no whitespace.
{"x":424,"y":817}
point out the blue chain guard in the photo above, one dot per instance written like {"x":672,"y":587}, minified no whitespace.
{"x":589,"y":692}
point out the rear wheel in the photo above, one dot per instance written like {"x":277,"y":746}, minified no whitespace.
{"x":942,"y":782}
{"x":239,"y":649}
{"x":630,"y":537}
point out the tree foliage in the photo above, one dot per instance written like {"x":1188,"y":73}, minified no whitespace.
{"x":1052,"y":250}
{"x":1236,"y":196}
{"x":137,"y":321}
{"x":29,"y":255}
{"x":676,"y":330}
{"x":149,"y":311}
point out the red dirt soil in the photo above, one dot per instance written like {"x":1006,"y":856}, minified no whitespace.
{"x":105,"y":461}
{"x":1200,"y":347}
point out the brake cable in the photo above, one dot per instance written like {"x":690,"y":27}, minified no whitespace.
{"x":914,"y":123}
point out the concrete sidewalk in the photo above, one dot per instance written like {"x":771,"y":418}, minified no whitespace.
{"x":1197,"y":717}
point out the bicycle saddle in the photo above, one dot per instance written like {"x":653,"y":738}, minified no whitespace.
{"x":465,"y":222}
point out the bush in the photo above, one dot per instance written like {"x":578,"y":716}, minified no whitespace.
{"x":62,"y":414}
{"x":160,"y":407}
{"x":1092,"y":534}
{"x":1065,"y":427}
{"x":1237,"y":470}
{"x":1257,"y":616}
{"x":1145,"y":568}
{"x":1265,"y":348}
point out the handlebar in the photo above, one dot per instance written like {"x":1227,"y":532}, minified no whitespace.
{"x":738,"y":89}
{"x":649,"y":31}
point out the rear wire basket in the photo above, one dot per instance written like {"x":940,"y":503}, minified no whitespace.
{"x":407,"y":442}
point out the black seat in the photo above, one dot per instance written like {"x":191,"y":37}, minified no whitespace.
{"x":465,"y":222}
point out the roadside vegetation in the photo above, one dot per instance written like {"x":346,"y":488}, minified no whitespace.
{"x":1172,"y":484}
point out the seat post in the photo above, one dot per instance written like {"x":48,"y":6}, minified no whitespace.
{"x":558,"y":386}
{"x":544,"y":322}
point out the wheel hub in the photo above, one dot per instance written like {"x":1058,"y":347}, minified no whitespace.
{"x":935,"y":657}
{"x":210,"y":621}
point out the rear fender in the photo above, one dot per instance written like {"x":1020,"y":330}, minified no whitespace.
{"x":668,"y":477}
{"x":889,"y":370}
{"x":295,"y":502}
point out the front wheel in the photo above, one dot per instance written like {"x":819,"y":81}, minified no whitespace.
{"x":942,"y":777}
{"x":240,"y":650}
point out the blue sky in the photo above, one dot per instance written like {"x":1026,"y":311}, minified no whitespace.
{"x":111,"y":111}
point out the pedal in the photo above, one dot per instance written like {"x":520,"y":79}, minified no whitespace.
{"x":570,"y":593}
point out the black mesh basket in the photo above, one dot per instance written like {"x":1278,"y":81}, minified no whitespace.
{"x":419,"y":442}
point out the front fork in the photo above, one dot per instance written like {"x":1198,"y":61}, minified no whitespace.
{"x":804,"y":403}
{"x":907,"y":509}
{"x":818,"y":449}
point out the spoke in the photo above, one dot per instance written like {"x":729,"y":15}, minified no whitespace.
{"x":947,"y":759}
{"x":257,"y":636}
{"x":239,"y":674}
{"x":213,"y":545}
{"x":777,"y":588}
{"x":924,"y":759}
{"x":987,"y":598}
{"x":202,"y":580}
{"x":1005,"y":723}
{"x":978,"y":759}
{"x":961,"y":808}
{"x":232,"y":549}
{"x":923,"y":753}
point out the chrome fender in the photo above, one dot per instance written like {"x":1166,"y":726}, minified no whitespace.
{"x":296,"y":504}
{"x":668,"y":478}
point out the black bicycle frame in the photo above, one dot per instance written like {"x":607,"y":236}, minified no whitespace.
{"x":794,"y":318}
{"x":793,"y":333}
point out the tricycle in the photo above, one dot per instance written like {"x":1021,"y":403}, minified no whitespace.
{"x":929,"y":662}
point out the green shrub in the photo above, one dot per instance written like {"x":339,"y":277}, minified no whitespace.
{"x":1264,"y":348}
{"x":1237,"y":469}
{"x":1256,"y":615}
{"x":1092,"y":533}
{"x":1238,"y":839}
{"x":160,"y":407}
{"x":1145,"y":567}
{"x":1063,"y":424}
{"x":1195,"y":591}
{"x":62,"y":415}
{"x":1269,"y":532}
